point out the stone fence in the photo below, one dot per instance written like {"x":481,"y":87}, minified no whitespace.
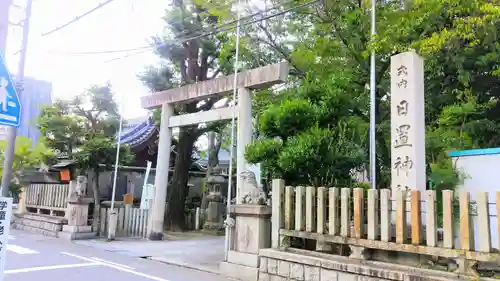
{"x":396,"y":229}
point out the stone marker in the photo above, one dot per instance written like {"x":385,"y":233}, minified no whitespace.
{"x":407,"y":122}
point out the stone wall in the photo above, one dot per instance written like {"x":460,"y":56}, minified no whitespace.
{"x":299,"y":265}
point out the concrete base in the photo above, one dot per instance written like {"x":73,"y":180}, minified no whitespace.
{"x":74,"y":228}
{"x":74,"y":232}
{"x":113,"y":223}
{"x":251,"y":233}
{"x":238,"y":271}
{"x":77,"y":235}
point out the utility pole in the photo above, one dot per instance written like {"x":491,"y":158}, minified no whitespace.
{"x":4,"y":24}
{"x":12,"y":131}
{"x":373,"y":100}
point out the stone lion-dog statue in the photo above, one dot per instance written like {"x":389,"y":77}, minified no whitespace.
{"x":253,"y":193}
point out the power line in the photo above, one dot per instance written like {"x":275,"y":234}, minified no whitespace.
{"x":217,"y":30}
{"x":183,"y":33}
{"x":186,"y":32}
{"x":72,"y":21}
{"x":78,"y":17}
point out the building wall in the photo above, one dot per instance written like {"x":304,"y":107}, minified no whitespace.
{"x":479,"y":168}
{"x":36,"y":94}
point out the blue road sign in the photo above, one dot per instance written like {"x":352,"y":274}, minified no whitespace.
{"x":10,"y":105}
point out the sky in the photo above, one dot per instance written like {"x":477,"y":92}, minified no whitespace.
{"x":122,"y":24}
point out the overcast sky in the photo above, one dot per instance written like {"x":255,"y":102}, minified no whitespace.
{"x":121,"y":24}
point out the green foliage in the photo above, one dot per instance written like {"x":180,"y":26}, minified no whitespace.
{"x":444,"y":177}
{"x":329,"y":48}
{"x":101,"y":150}
{"x":364,"y":185}
{"x":307,"y":139}
{"x":85,"y":128}
{"x":321,"y":157}
{"x":61,"y":128}
{"x":26,"y":157}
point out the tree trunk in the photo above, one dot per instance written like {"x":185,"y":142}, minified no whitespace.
{"x":175,"y":215}
{"x":96,"y":215}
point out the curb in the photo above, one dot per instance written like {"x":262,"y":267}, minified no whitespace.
{"x":187,"y":265}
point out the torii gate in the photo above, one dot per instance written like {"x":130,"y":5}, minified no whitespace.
{"x":258,"y":78}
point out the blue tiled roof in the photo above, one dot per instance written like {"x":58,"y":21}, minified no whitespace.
{"x":137,"y":133}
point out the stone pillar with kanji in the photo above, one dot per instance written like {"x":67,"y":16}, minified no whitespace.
{"x":407,"y":122}
{"x":408,"y":171}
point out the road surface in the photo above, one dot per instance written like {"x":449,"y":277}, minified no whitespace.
{"x":33,"y":257}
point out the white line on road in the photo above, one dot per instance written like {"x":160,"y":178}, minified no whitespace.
{"x":117,"y":267}
{"x":11,"y":237}
{"x":50,"y":267}
{"x":20,"y":250}
{"x":113,"y":263}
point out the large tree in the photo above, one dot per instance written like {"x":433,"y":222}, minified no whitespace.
{"x":184,"y":61}
{"x":85,"y":128}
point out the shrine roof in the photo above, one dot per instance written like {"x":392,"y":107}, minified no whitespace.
{"x":137,"y":132}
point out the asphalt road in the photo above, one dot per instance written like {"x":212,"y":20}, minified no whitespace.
{"x":33,"y":257}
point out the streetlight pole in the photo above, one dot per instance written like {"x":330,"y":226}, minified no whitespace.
{"x":373,"y":100}
{"x":12,"y":131}
{"x":113,"y":215}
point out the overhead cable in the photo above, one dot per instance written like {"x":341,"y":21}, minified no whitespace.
{"x":58,"y":28}
{"x":216,"y":31}
{"x":78,"y":17}
{"x":180,"y":36}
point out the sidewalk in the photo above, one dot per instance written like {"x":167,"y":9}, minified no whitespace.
{"x":189,"y":250}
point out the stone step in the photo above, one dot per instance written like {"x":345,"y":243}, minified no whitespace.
{"x":35,"y":230}
{"x":44,"y":218}
{"x":50,"y":224}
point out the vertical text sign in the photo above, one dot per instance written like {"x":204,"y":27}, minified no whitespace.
{"x":407,"y":122}
{"x":5,"y":216}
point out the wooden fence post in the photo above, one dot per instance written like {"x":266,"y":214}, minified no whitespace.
{"x":277,"y":222}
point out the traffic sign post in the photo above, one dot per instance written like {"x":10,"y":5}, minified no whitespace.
{"x":10,"y":104}
{"x":5,"y":217}
{"x":12,"y":115}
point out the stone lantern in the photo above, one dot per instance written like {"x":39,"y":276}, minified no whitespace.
{"x":214,"y":220}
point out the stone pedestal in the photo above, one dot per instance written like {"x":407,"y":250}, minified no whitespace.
{"x":252,"y":232}
{"x":77,"y":215}
{"x":112,"y":224}
{"x":21,"y":206}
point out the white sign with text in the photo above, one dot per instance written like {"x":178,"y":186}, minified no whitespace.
{"x":5,"y":217}
{"x":407,"y":122}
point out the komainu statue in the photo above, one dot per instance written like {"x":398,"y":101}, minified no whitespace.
{"x":252,"y":191}
{"x":78,"y":189}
